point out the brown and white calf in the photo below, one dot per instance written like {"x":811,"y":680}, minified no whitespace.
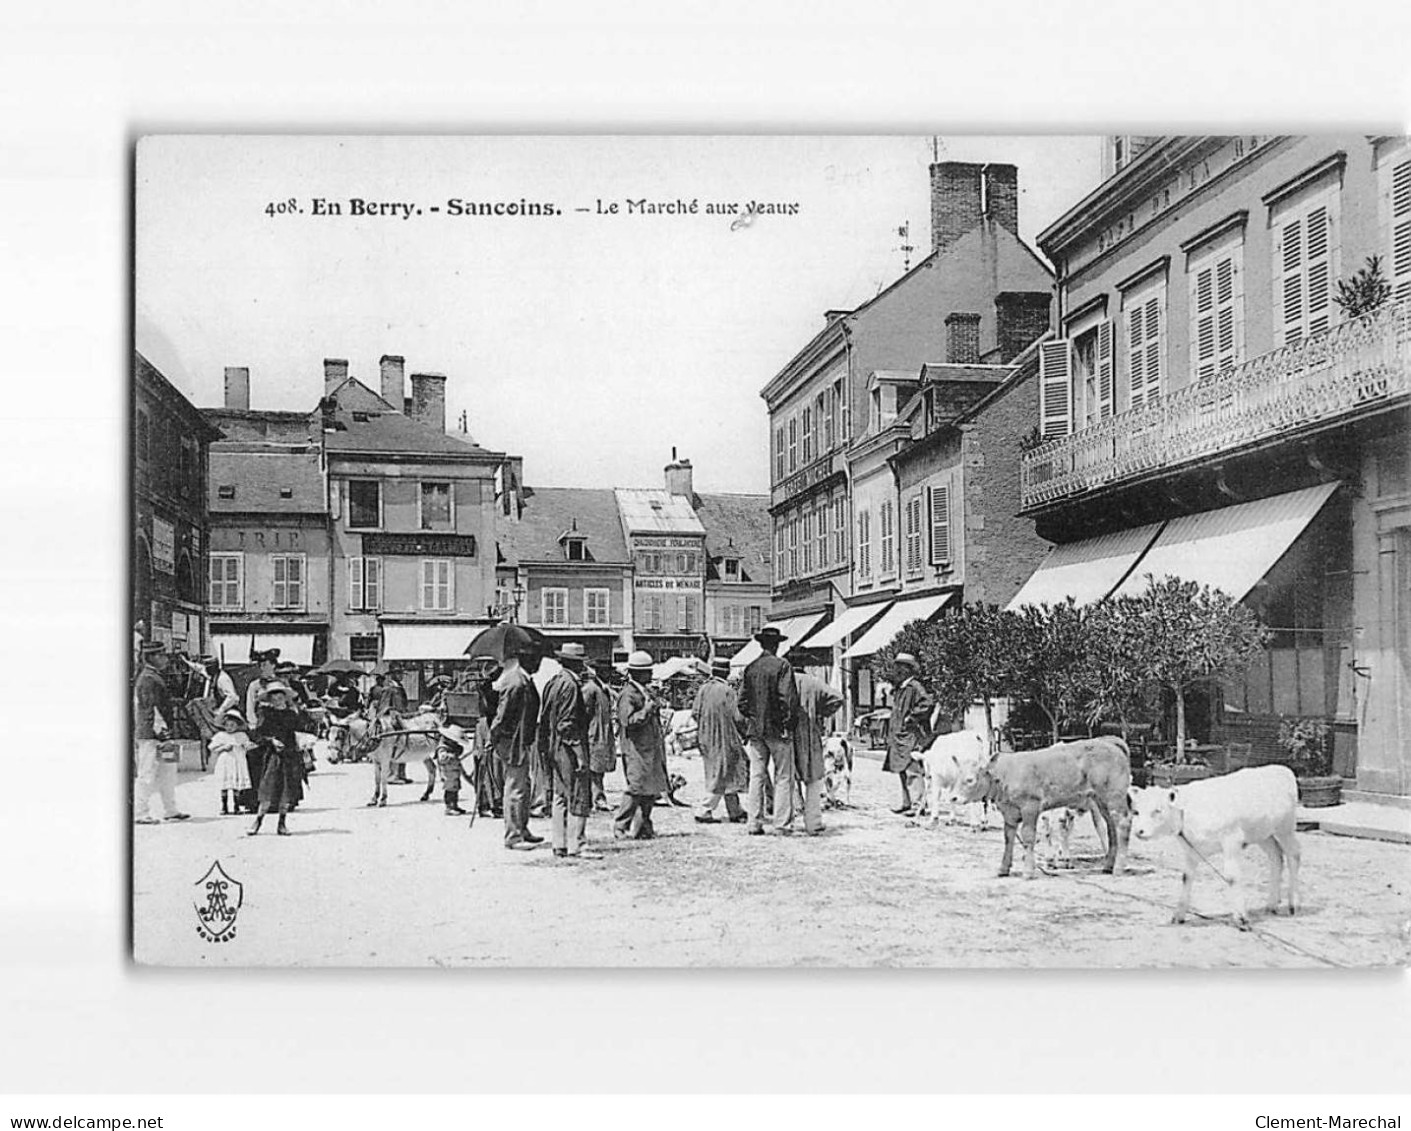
{"x":837,"y":772}
{"x":1215,"y":818}
{"x":1090,"y":774}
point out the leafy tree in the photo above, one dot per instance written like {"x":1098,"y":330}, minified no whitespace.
{"x":1179,"y":634}
{"x":1114,"y":673}
{"x":1046,"y":649}
{"x":1365,"y":291}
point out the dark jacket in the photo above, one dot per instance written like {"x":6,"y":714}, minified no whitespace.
{"x":597,"y":703}
{"x":643,"y":744}
{"x":563,"y":723}
{"x":910,"y":729}
{"x":282,"y":776}
{"x":515,"y":729}
{"x":817,"y":704}
{"x":769,"y":700}
{"x":149,"y":694}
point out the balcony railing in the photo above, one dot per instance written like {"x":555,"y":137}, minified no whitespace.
{"x":1349,"y":369}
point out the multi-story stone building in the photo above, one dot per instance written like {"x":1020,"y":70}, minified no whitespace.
{"x":668,"y":547}
{"x":269,"y":575}
{"x":978,"y":299}
{"x":1210,"y":411}
{"x":170,"y":442}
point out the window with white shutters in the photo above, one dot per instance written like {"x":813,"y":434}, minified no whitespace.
{"x":940,"y":524}
{"x":1305,"y":267}
{"x":364,"y":584}
{"x":288,"y":580}
{"x":808,"y":435}
{"x":840,"y":530}
{"x":1399,"y":265}
{"x":1146,"y":341}
{"x":553,"y":606}
{"x":436,"y":584}
{"x":793,"y":443}
{"x":780,"y":468}
{"x":595,"y":607}
{"x":915,"y":531}
{"x":227,"y":572}
{"x":1217,"y":312}
{"x":864,"y":544}
{"x":820,"y":518}
{"x":806,"y":540}
{"x":1055,"y":389}
{"x":1106,"y":367}
{"x":889,"y":538}
{"x":780,"y":572}
{"x":794,"y":545}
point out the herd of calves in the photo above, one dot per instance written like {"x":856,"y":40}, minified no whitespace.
{"x":1214,"y":818}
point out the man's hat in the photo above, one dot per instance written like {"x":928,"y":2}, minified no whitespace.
{"x":770,"y":635}
{"x":154,"y":648}
{"x":573,"y":653}
{"x":456,"y":734}
{"x":908,"y":659}
{"x":639,"y":661}
{"x":720,"y":666}
{"x":274,"y":689}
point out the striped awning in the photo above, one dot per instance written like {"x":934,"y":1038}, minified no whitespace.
{"x":846,"y":623}
{"x":1087,"y":570}
{"x":1231,"y":548}
{"x":894,"y":620}
{"x":795,"y":630}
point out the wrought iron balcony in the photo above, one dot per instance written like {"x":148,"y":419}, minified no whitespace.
{"x":1349,"y":370}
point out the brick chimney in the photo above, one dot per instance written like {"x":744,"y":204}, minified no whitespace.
{"x":963,"y":339}
{"x":1021,"y":317}
{"x":678,"y":477}
{"x":335,"y":372}
{"x":427,"y":404}
{"x":393,"y":380}
{"x":1002,"y":196}
{"x":955,"y":201}
{"x":237,"y":387}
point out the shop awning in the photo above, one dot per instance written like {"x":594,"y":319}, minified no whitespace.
{"x":894,"y":620}
{"x":1088,"y":570}
{"x":427,"y":641}
{"x":297,"y":647}
{"x":1230,"y":548}
{"x":848,"y":622}
{"x":795,"y":631}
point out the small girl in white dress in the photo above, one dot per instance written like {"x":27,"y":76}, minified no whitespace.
{"x":228,"y":747}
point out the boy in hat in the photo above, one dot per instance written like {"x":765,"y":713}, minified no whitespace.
{"x":563,"y":740}
{"x":910,"y":731}
{"x":723,"y":756}
{"x":643,"y":751}
{"x":152,"y":715}
{"x":450,"y":751}
{"x":769,"y":701}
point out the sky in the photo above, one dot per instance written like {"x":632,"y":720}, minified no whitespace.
{"x":592,"y":343}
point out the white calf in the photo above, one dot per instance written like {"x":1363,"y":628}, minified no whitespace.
{"x":944,"y":762}
{"x":1221,"y":816}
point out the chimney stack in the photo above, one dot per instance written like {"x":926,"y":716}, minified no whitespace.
{"x":335,"y":372}
{"x":955,"y":201}
{"x":237,"y":387}
{"x":427,"y":404}
{"x":1002,"y":196}
{"x":678,"y":477}
{"x":393,"y":382}
{"x":1021,"y":318}
{"x":963,"y":339}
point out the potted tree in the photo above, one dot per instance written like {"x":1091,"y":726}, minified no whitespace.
{"x":1308,"y":744}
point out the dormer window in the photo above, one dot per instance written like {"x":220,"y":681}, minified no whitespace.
{"x":732,"y":569}
{"x":574,"y":550}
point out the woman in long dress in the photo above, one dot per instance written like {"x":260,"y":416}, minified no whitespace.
{"x":282,"y":781}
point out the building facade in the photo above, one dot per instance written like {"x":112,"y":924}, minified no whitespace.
{"x":668,"y":547}
{"x":170,"y":447}
{"x":737,"y":561}
{"x":1209,"y":410}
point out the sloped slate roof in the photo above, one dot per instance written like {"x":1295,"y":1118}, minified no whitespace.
{"x":651,"y":511}
{"x":549,"y":512}
{"x":260,"y":477}
{"x":741,"y":521}
{"x":359,"y":431}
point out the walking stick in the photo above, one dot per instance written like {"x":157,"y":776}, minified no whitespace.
{"x":475,"y":790}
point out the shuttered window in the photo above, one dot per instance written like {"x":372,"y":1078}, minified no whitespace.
{"x":780,"y":469}
{"x":364,"y":583}
{"x":889,"y":538}
{"x":1305,"y":266}
{"x":779,"y":571}
{"x":806,"y":540}
{"x":939,"y":509}
{"x":1146,"y":317}
{"x":913,"y":534}
{"x":437,"y":589}
{"x":1217,"y":312}
{"x":288,"y":580}
{"x":840,"y":530}
{"x":793,"y":443}
{"x":1399,"y":271}
{"x":1106,"y":367}
{"x":794,"y":545}
{"x":820,"y":517}
{"x":226,"y":578}
{"x":864,"y":544}
{"x":1055,"y":389}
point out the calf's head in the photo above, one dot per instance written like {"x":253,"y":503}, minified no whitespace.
{"x":972,"y":778}
{"x":1155,"y":812}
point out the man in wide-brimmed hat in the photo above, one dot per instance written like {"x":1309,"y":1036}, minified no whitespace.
{"x":563,"y":740}
{"x":514,"y":735}
{"x":910,"y":730}
{"x":721,"y":729}
{"x":151,"y":723}
{"x":643,"y":750}
{"x":769,"y":701}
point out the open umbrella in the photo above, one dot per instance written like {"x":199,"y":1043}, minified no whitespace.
{"x":339,"y":665}
{"x":503,"y":640}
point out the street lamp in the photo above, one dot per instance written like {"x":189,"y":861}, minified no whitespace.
{"x":518,"y":593}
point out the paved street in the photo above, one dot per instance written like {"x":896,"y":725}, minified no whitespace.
{"x":407,"y":886}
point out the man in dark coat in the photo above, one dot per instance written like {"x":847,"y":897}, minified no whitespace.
{"x":514,"y":735}
{"x":490,"y":771}
{"x":563,"y":739}
{"x":720,"y":729}
{"x":643,"y":751}
{"x":910,"y":730}
{"x":817,"y":704}
{"x":602,"y":749}
{"x":769,"y":701}
{"x":151,"y":722}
